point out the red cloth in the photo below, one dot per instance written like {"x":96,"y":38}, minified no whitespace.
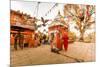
{"x":65,"y":44}
{"x":65,"y":39}
{"x":58,"y":41}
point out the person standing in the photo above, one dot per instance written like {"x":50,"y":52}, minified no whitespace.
{"x":65,"y":38}
{"x":58,"y":41}
{"x":15,"y":42}
{"x":18,"y":40}
{"x":21,"y":40}
{"x":51,"y":39}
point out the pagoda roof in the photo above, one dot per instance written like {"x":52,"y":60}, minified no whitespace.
{"x":57,"y":21}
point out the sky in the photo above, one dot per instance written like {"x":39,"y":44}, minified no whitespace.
{"x":29,"y":7}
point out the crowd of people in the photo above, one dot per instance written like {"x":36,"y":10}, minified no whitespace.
{"x":58,"y":40}
{"x":21,"y":41}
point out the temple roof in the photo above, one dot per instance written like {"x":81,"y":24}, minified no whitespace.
{"x":57,"y":21}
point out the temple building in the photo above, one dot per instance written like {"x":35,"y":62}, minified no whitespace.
{"x":23,"y":24}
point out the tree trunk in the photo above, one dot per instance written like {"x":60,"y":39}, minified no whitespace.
{"x":81,"y":37}
{"x":82,"y":34}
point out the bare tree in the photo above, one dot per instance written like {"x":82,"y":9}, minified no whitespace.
{"x":81,"y":14}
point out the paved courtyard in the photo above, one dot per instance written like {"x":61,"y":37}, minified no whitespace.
{"x":83,"y":52}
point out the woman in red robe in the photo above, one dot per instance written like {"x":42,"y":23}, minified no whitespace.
{"x":65,"y":38}
{"x":58,"y":41}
